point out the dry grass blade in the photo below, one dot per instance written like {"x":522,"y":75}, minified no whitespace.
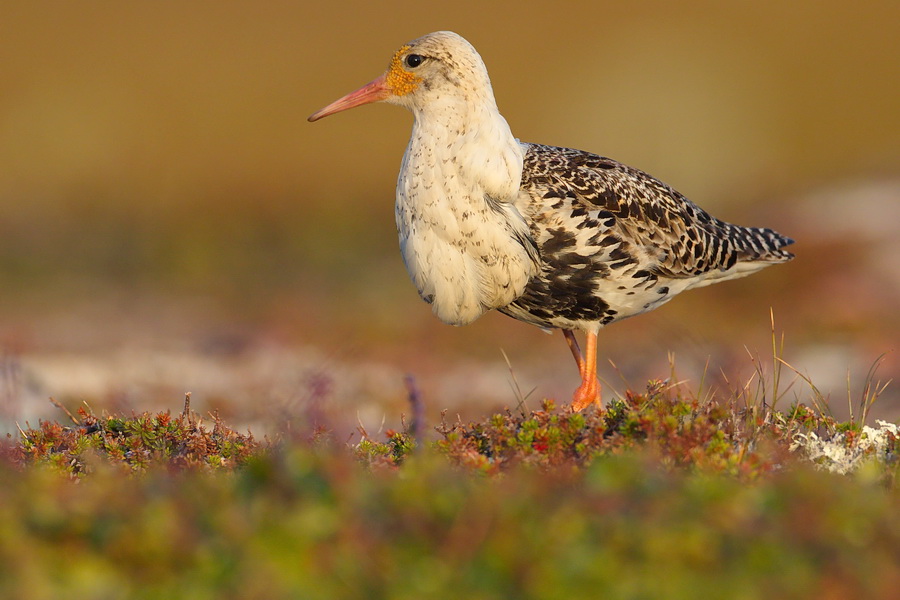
{"x":673,"y":382}
{"x":777,"y":353}
{"x":521,"y":405}
{"x":621,"y":375}
{"x":820,"y":402}
{"x":702,"y":384}
{"x":871,"y":390}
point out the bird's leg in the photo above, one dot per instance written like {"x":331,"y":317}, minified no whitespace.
{"x":589,"y":391}
{"x":572,"y":341}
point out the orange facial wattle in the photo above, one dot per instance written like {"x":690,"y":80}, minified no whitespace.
{"x":398,"y":79}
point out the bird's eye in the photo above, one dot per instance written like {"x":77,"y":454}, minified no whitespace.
{"x":414,"y":60}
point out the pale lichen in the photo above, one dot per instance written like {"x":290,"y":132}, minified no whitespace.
{"x":842,"y":453}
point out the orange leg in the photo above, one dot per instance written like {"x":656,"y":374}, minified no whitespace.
{"x":589,"y":391}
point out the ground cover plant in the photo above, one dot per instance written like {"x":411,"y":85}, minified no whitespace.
{"x":661,"y":495}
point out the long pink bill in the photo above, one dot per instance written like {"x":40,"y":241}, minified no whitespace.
{"x":371,"y":92}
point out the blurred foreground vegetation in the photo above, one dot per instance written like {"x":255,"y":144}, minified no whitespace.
{"x":658,"y":496}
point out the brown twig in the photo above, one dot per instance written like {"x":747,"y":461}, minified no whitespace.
{"x":418,"y":407}
{"x":186,"y":412}
{"x":54,"y":402}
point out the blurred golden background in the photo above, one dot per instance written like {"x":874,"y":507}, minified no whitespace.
{"x":170,"y":222}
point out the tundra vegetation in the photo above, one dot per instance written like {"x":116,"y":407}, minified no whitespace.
{"x":668,"y":492}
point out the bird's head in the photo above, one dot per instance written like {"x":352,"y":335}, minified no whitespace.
{"x":435,"y":70}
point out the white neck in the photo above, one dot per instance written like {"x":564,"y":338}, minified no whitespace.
{"x":475,"y":138}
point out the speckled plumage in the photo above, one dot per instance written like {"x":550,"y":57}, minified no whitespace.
{"x":616,"y":242}
{"x":555,"y":237}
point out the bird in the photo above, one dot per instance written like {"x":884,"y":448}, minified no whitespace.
{"x":554,"y":237}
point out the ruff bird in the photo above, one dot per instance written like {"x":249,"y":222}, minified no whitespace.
{"x":555,"y":237}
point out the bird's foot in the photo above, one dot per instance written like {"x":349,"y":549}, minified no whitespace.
{"x":587,"y":393}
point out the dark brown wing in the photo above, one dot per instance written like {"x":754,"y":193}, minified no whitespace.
{"x":676,"y":238}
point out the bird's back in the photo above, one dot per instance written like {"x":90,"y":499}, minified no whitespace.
{"x":616,"y":242}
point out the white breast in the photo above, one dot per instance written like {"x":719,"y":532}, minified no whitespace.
{"x":466,"y":247}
